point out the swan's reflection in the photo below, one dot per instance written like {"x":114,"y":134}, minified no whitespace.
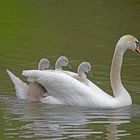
{"x":61,"y":122}
{"x":113,"y":131}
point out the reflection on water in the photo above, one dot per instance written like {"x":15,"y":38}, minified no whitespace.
{"x":61,"y":122}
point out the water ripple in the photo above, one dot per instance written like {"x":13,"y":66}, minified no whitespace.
{"x":61,"y":122}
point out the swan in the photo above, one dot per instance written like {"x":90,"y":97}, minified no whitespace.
{"x":34,"y":91}
{"x":72,"y":92}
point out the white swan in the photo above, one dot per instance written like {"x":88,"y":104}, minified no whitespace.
{"x":72,"y":92}
{"x":32,"y":92}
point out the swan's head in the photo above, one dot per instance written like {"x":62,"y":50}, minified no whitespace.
{"x":63,"y":61}
{"x":44,"y":64}
{"x":129,"y":42}
{"x":85,"y":67}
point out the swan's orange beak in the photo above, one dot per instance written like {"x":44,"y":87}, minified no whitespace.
{"x":138,"y":50}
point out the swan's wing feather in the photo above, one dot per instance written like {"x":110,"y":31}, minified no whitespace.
{"x":50,"y":100}
{"x":61,"y":86}
{"x":20,"y":87}
{"x":34,"y":74}
{"x":68,"y":90}
{"x":30,"y":80}
{"x":72,"y":74}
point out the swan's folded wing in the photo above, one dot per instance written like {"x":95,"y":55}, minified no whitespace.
{"x":32,"y":73}
{"x":63,"y":87}
{"x":51,"y":100}
{"x":72,"y":74}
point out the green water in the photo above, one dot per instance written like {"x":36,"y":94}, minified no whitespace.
{"x":82,"y":30}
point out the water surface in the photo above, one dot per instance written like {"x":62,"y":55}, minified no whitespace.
{"x":40,"y":121}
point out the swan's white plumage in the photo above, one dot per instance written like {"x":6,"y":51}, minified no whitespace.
{"x":69,"y":90}
{"x":51,"y":100}
{"x":89,"y":83}
{"x":72,"y":92}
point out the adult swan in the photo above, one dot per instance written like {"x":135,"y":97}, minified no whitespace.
{"x":70,"y":91}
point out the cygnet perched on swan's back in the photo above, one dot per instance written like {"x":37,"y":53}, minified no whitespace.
{"x":83,"y":69}
{"x":62,"y":61}
{"x":44,"y":64}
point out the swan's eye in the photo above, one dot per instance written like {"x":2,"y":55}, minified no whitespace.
{"x":137,"y":43}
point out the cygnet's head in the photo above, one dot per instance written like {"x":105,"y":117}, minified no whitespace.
{"x":44,"y":64}
{"x":85,"y":67}
{"x":129,"y":42}
{"x":62,"y":61}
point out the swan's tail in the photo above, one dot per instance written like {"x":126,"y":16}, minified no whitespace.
{"x":20,"y":87}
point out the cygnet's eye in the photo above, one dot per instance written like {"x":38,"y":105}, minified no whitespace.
{"x":88,"y":68}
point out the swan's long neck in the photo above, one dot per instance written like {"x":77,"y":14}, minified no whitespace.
{"x":115,"y":76}
{"x":115,"y":73}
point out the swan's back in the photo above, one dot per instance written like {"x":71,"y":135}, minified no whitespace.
{"x":90,"y":84}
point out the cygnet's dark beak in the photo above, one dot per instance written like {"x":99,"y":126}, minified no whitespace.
{"x":89,"y":73}
{"x":69,"y":66}
{"x":50,"y":67}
